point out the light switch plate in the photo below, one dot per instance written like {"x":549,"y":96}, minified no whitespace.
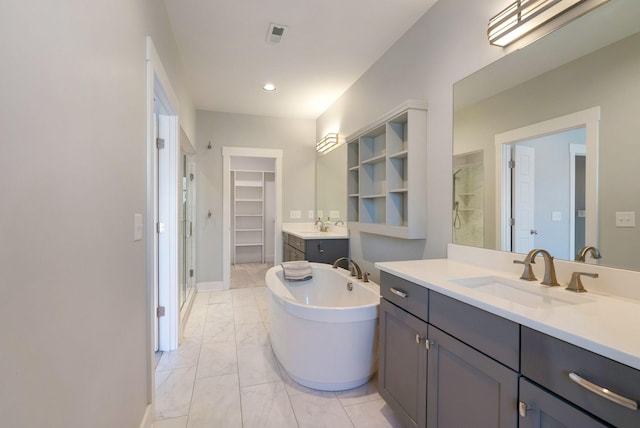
{"x":321,"y":214}
{"x":334,"y":214}
{"x":310,"y":214}
{"x":626,"y":219}
{"x":295,"y":214}
{"x":556,"y":215}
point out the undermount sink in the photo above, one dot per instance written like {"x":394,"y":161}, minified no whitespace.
{"x":529,"y":294}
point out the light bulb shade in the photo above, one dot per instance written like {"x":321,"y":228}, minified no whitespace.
{"x":524,"y":17}
{"x":327,"y":143}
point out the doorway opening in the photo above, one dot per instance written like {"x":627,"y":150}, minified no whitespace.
{"x":252,"y":214}
{"x":546,"y":197}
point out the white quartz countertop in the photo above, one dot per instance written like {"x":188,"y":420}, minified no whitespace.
{"x":304,"y":231}
{"x":605,"y":324}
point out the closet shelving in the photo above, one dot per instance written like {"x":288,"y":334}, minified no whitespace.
{"x":248,"y":225}
{"x":385,"y":174}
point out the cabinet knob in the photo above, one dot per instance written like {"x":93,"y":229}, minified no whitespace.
{"x":419,"y":339}
{"x":522,"y":409}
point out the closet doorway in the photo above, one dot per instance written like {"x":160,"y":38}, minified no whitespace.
{"x":252,"y":195}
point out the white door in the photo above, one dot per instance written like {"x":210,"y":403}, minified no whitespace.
{"x":523,"y":175}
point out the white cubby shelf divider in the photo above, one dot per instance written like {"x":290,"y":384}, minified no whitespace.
{"x":386,"y":174}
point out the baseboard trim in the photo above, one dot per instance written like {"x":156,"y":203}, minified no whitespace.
{"x":147,"y":419}
{"x":212,"y":286}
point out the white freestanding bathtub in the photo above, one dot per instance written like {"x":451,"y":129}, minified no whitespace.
{"x":324,"y":335}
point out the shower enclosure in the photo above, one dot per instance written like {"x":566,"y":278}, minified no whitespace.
{"x":468,"y":199}
{"x":187,"y":242}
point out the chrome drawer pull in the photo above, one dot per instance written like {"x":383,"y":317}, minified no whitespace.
{"x":604,"y":392}
{"x":398,"y":292}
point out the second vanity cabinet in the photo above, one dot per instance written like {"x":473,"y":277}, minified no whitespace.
{"x":444,"y":363}
{"x":313,"y":250}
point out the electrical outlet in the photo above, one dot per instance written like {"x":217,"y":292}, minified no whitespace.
{"x":626,"y":219}
{"x":320,"y":213}
{"x":310,"y":214}
{"x":295,"y":214}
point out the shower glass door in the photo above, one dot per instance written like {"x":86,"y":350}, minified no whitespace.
{"x":187,"y":239}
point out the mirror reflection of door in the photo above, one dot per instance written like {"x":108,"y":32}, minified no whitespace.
{"x":547,"y":193}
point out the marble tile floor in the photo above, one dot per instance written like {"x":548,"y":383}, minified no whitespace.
{"x":225,"y":375}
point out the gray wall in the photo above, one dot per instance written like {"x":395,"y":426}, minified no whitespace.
{"x":446,"y":44}
{"x":73,"y":312}
{"x":296,"y":137}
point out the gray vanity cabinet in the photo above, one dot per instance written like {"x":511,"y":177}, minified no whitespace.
{"x":602,"y":387}
{"x":313,"y":250}
{"x":402,"y":377}
{"x":402,"y":360}
{"x":466,"y":388}
{"x":541,"y":409}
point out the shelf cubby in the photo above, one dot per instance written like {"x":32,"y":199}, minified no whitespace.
{"x":390,"y":157}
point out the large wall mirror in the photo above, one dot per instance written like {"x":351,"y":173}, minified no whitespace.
{"x":331,"y":184}
{"x":547,"y":143}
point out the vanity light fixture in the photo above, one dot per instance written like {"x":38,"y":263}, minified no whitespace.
{"x":327,"y":143}
{"x":269,"y":87}
{"x":535,"y":18}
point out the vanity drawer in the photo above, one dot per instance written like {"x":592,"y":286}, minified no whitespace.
{"x":490,"y":334}
{"x":415,"y":299}
{"x":549,"y":361}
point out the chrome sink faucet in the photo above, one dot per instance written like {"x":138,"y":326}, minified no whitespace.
{"x":582,"y":254}
{"x":549,"y":268}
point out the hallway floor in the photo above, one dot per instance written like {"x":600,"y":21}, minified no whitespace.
{"x":226,"y":375}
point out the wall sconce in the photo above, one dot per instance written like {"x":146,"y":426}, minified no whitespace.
{"x":535,"y":18}
{"x":328,"y":143}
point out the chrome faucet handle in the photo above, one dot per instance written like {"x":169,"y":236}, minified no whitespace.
{"x":365,"y":276}
{"x":527,"y":274}
{"x":575,"y":284}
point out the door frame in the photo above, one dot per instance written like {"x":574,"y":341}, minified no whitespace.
{"x":227,"y":153}
{"x":575,"y":150}
{"x":159,"y":86}
{"x":590,"y":120}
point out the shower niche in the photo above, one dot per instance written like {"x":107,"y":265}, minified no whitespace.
{"x":468,"y":199}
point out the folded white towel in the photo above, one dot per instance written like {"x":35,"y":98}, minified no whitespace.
{"x":299,"y":270}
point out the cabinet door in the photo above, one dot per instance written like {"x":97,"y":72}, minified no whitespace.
{"x":466,"y":388}
{"x":540,"y":409}
{"x":402,"y":377}
{"x":326,"y":250}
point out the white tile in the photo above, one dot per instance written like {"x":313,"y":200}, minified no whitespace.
{"x":247,"y":315}
{"x":223,"y":296}
{"x":185,"y":356}
{"x":372,"y":414}
{"x":267,"y":405}
{"x":219,"y":331}
{"x":257,"y":365}
{"x":180,"y":422}
{"x":364,"y":393}
{"x":217,"y":358}
{"x":319,"y":409}
{"x":173,"y":392}
{"x":194,"y":327}
{"x":219,"y":312}
{"x":216,"y":403}
{"x":253,"y":334}
{"x":243,"y":299}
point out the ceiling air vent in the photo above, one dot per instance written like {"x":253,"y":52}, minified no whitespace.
{"x":275,"y":34}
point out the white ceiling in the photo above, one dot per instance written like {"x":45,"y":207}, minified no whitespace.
{"x":328,"y":45}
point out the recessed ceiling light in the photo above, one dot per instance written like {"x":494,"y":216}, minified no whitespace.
{"x":269,"y":87}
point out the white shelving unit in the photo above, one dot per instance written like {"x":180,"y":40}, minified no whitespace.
{"x":385,"y":172}
{"x":248,"y":216}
